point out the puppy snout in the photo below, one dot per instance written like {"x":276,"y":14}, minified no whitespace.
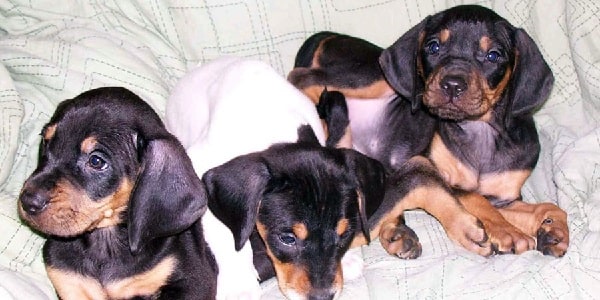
{"x":453,"y":86}
{"x":33,"y":202}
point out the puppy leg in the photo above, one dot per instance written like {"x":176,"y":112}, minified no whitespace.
{"x":417,"y":184}
{"x":504,"y":237}
{"x":545,"y":221}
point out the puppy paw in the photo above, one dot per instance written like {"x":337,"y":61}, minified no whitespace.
{"x":469,"y":232}
{"x":506,"y":238}
{"x":401,"y":241}
{"x":553,"y":234}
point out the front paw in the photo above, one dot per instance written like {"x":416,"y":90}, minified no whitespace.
{"x":506,"y":238}
{"x":469,"y":232}
{"x":400,"y":240}
{"x":553,"y":234}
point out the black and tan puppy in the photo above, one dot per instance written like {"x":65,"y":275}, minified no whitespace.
{"x":460,"y":89}
{"x":119,"y":201}
{"x":301,"y":205}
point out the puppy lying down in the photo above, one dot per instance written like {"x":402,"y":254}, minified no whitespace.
{"x":231,"y":107}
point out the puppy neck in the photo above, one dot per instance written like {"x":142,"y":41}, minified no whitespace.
{"x":107,"y":241}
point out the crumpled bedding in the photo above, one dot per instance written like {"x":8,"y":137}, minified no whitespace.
{"x":50,"y":51}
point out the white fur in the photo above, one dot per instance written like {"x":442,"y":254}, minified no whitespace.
{"x":225,"y":108}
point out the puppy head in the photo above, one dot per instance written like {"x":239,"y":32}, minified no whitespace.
{"x":463,"y":61}
{"x":305,"y":201}
{"x":106,"y":159}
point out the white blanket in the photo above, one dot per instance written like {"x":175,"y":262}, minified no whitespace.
{"x":53,"y":50}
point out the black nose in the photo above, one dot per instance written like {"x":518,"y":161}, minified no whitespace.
{"x":33,"y":202}
{"x":453,"y":86}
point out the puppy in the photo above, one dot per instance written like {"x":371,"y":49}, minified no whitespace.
{"x":305,"y":202}
{"x":118,"y":198}
{"x":231,"y":107}
{"x":455,"y":93}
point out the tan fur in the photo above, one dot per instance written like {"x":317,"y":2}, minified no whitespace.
{"x":291,"y":278}
{"x":505,"y":185}
{"x":147,"y":283}
{"x":485,"y":43}
{"x":300,"y":231}
{"x":501,"y":233}
{"x":377,"y":89}
{"x":457,"y":222}
{"x":342,"y":226}
{"x":70,"y":285}
{"x":72,"y":211}
{"x":541,"y":216}
{"x":49,"y":132}
{"x":444,"y":35}
{"x":88,"y":144}
{"x":454,"y":171}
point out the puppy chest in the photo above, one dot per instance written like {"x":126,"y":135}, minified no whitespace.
{"x":71,"y":284}
{"x":366,"y":116}
{"x":462,"y":152}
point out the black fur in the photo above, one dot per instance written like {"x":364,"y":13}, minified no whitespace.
{"x":296,"y":183}
{"x":160,"y":216}
{"x":464,"y":74}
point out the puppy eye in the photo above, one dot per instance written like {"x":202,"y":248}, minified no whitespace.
{"x":287,"y":238}
{"x":433,"y":46}
{"x":97,"y":162}
{"x":548,"y":221}
{"x":493,"y":56}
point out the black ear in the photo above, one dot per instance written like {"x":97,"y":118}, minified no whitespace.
{"x":168,"y":196}
{"x":369,"y":177}
{"x":307,"y":135}
{"x":532,"y":78}
{"x":235,"y":189}
{"x":399,"y":64}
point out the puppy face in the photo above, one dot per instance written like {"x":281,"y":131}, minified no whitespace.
{"x":106,"y":159}
{"x":85,"y":175}
{"x":305,"y":201}
{"x":307,"y":223}
{"x":466,"y":61}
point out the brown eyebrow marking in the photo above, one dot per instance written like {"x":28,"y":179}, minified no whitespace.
{"x":444,"y":35}
{"x":485,"y":43}
{"x":300,"y":230}
{"x":88,"y":144}
{"x":49,"y":132}
{"x":342,"y":226}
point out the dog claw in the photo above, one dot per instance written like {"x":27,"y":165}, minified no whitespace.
{"x":550,"y":244}
{"x":401,"y":241}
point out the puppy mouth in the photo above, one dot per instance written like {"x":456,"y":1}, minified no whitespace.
{"x":455,"y":96}
{"x":68,"y":212}
{"x":61,"y":221}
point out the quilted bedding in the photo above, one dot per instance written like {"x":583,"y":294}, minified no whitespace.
{"x":53,"y":50}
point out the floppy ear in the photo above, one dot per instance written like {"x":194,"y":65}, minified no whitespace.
{"x":532,"y":78}
{"x":168,"y":196}
{"x":369,"y":176}
{"x":235,"y":189}
{"x":307,"y":135}
{"x":399,"y":64}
